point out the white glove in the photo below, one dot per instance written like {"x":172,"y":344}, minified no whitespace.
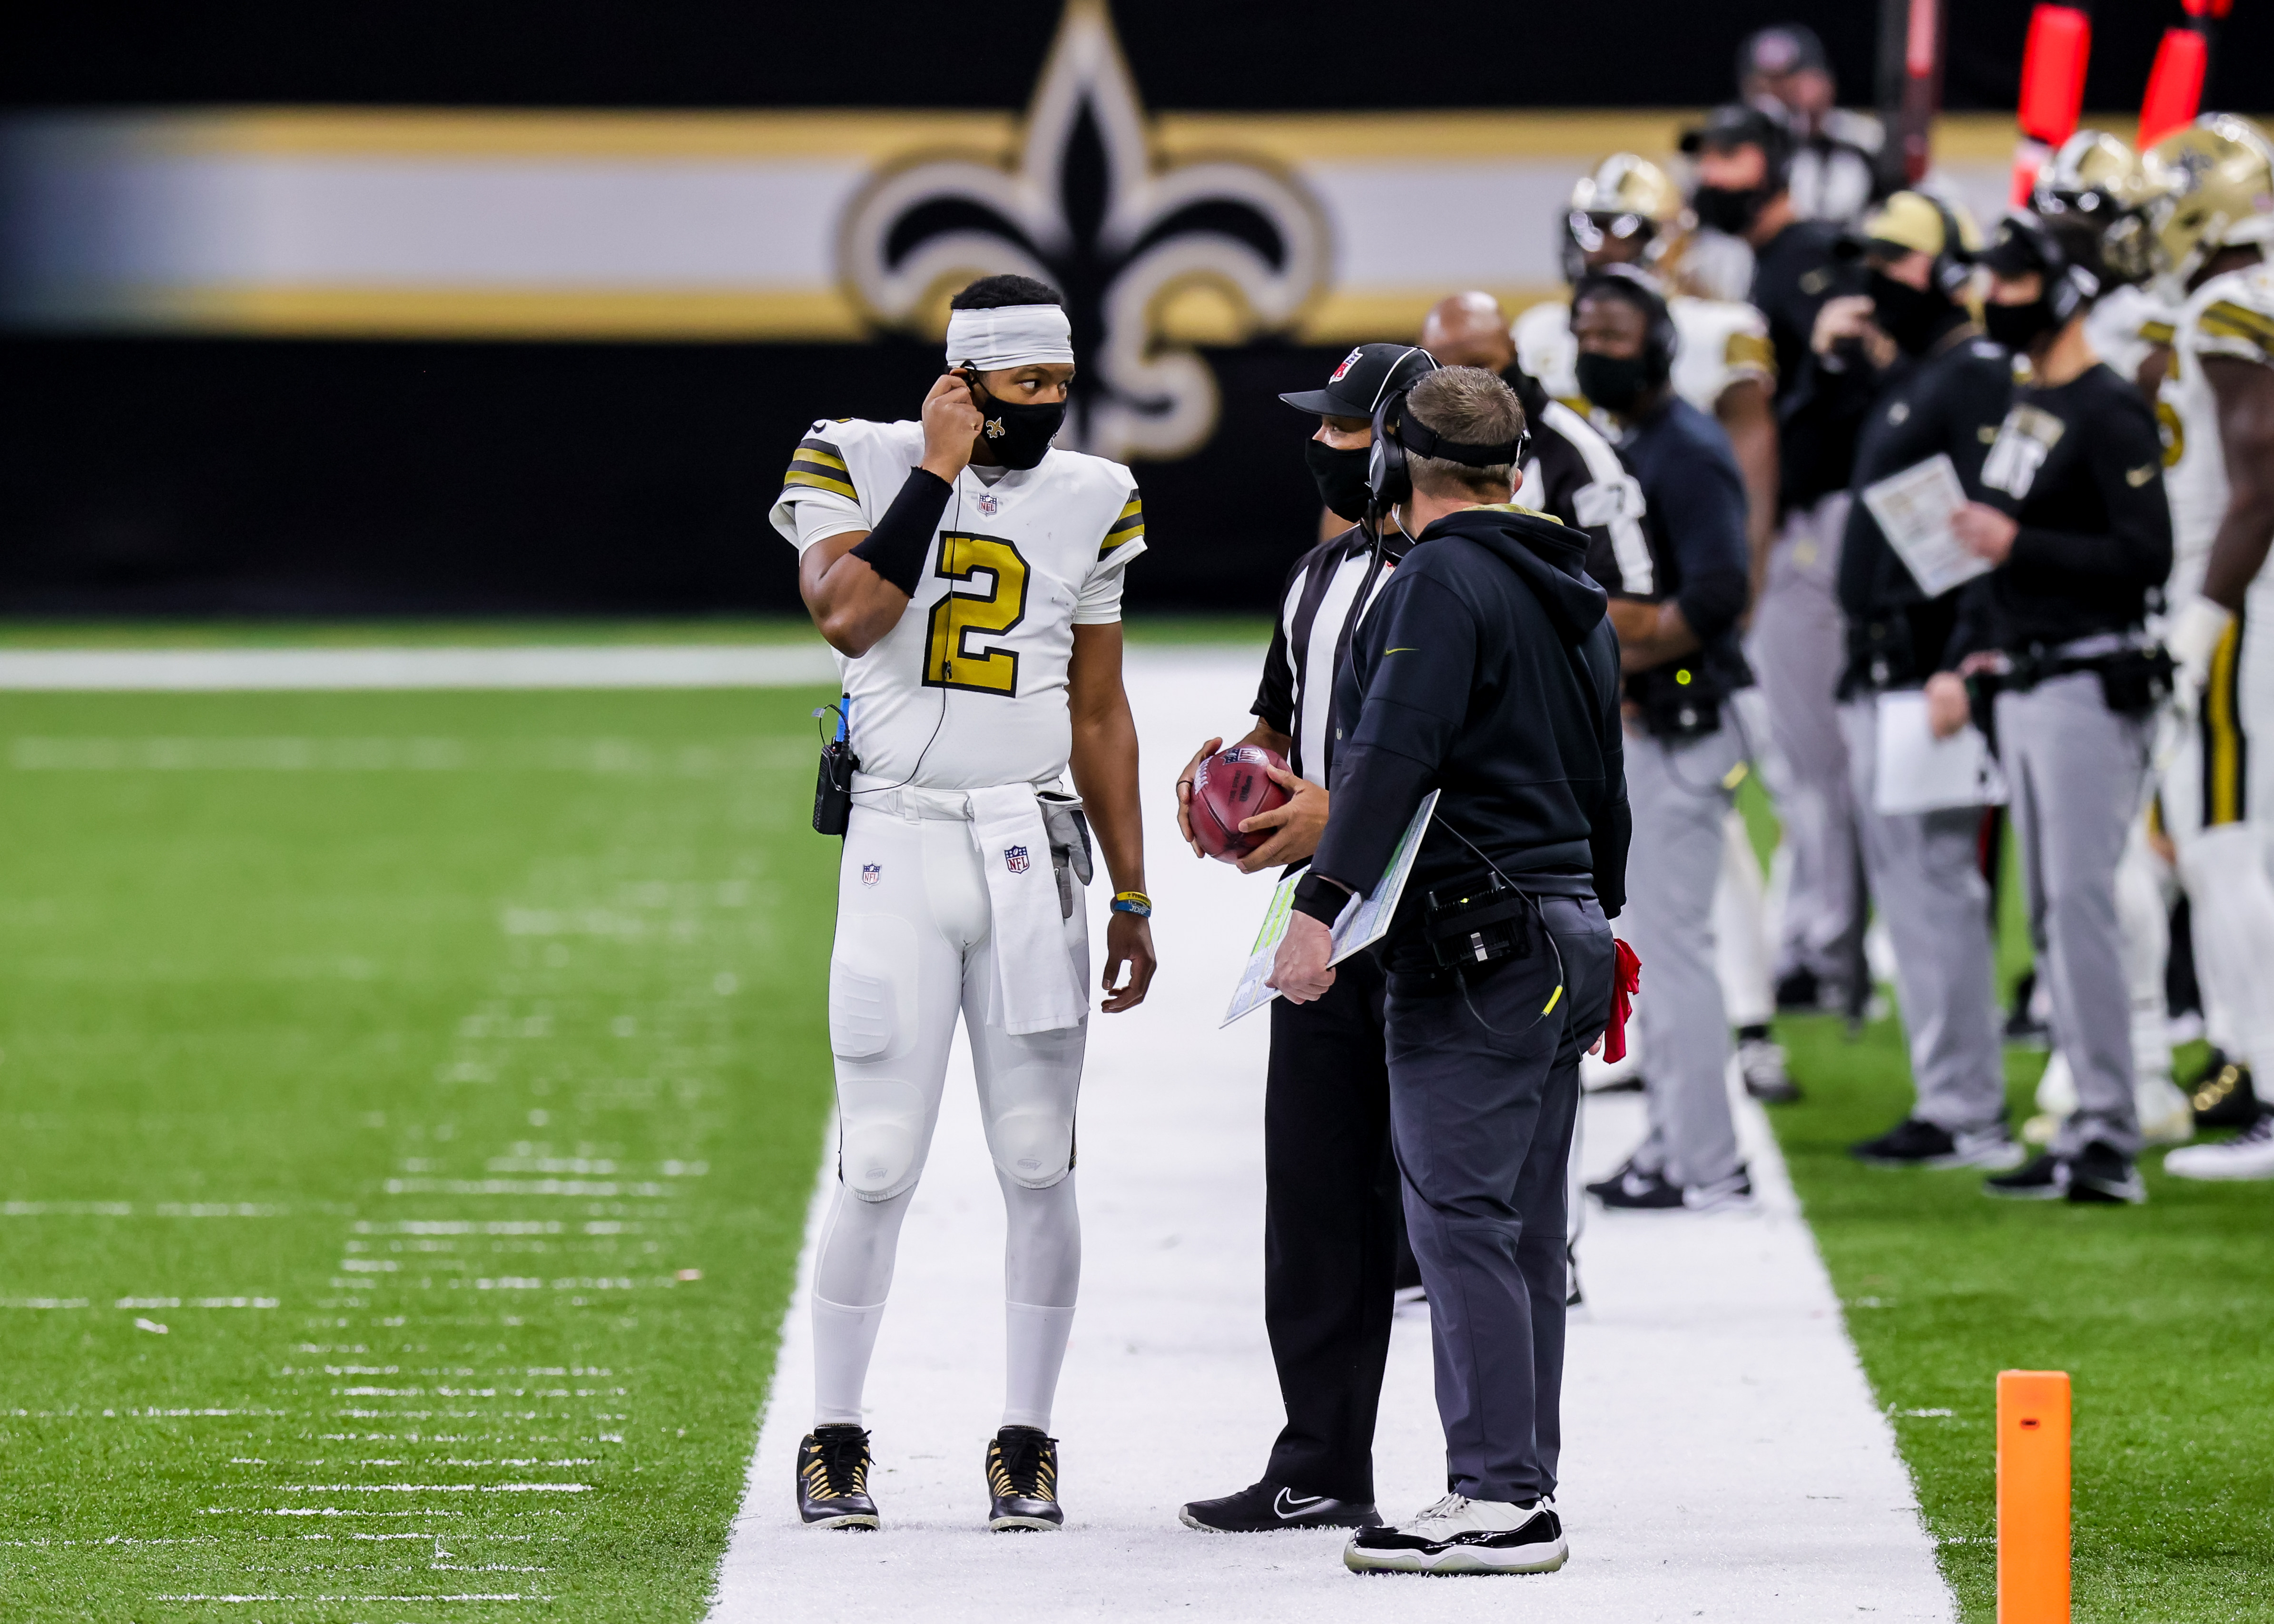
{"x":2191,"y":640}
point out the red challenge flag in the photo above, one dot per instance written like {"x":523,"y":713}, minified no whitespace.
{"x":2053,"y":88}
{"x":2175,"y":83}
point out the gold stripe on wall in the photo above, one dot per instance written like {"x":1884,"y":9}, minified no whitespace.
{"x":1394,"y":314}
{"x":641,"y":313}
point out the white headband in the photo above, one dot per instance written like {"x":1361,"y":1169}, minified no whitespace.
{"x":1015,"y":336}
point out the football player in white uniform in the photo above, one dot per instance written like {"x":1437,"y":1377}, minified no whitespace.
{"x":2212,"y":224}
{"x":968,"y":573}
{"x":1625,"y":212}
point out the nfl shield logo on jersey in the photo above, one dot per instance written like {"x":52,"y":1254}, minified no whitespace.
{"x":988,"y":502}
{"x":870,"y":873}
{"x":1014,"y":859}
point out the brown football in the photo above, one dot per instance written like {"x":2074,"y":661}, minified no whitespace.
{"x":1228,"y":787}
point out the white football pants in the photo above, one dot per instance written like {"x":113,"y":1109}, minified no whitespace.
{"x":2216,"y":821}
{"x":913,"y":950}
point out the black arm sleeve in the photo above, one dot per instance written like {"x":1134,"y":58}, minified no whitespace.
{"x":1614,"y":825}
{"x":896,"y":548}
{"x":1707,"y":529}
{"x":1417,"y":696}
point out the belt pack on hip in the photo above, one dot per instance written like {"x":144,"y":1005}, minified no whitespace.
{"x":1677,"y":700}
{"x":2132,"y":681}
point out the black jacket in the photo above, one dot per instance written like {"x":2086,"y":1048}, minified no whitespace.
{"x":1949,"y":400}
{"x":1489,"y":669}
{"x":1794,"y":273}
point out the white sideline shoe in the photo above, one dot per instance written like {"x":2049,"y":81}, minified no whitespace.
{"x":1462,"y":1535}
{"x":2249,"y":1155}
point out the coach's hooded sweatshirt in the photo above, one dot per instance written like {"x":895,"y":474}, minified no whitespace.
{"x":1487,"y":668}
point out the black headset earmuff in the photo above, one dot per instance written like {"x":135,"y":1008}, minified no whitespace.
{"x":1386,"y":477}
{"x":1952,"y":269}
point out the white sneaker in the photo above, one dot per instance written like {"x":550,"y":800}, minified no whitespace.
{"x":2167,"y":1116}
{"x":1462,"y":1535}
{"x":2248,"y":1156}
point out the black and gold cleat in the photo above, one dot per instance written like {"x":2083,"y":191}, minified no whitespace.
{"x":1022,"y":1481}
{"x":832,"y":1478}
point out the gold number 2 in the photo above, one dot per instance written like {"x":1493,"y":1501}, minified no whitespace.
{"x":950,"y":659}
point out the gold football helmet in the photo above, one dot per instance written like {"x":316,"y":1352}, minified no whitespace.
{"x":2214,"y":185}
{"x":1622,"y":197}
{"x":2098,"y":180}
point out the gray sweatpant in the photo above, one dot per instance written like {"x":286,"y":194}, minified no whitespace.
{"x":1925,"y":872}
{"x":1678,"y":794}
{"x":1797,"y":648}
{"x":2076,"y":770}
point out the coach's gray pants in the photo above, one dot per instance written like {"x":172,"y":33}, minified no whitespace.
{"x":1678,"y":794}
{"x":1925,"y":871}
{"x":2076,"y":770}
{"x":1798,"y":648}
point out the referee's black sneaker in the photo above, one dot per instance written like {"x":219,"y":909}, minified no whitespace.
{"x":1022,"y":1482}
{"x":832,"y":1478}
{"x":1260,"y":1508}
{"x":1913,"y":1143}
{"x":1462,"y":1535}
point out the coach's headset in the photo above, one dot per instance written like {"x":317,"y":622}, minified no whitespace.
{"x":2068,"y":284}
{"x":1399,"y":435}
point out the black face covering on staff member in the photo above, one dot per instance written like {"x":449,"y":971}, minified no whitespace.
{"x":2017,"y":327}
{"x":1907,"y":314}
{"x":1613,"y":382}
{"x":1021,"y":435}
{"x":1340,"y":475}
{"x":1729,"y":209}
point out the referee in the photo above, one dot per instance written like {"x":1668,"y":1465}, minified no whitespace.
{"x":1333,"y":1229}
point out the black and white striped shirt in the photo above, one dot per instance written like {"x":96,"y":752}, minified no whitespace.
{"x":1574,"y":474}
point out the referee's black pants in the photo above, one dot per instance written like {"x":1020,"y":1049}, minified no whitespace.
{"x":1331,"y":1230}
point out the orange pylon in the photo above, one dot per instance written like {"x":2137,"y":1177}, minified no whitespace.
{"x":2033,"y":1497}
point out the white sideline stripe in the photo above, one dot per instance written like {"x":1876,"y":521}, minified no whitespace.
{"x":1723,"y":1459}
{"x":545,"y":666}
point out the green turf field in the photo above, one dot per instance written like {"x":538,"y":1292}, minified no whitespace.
{"x":2159,"y":1313}
{"x":408,"y":1106}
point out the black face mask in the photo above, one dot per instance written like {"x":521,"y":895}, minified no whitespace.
{"x":1613,"y":382}
{"x":1907,"y":314}
{"x":1021,"y":435}
{"x":1724,"y":208}
{"x":1340,"y":475}
{"x":2017,"y":327}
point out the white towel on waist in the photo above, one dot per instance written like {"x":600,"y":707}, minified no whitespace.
{"x":1034,"y":974}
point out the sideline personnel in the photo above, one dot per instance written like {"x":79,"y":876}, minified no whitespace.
{"x":1676,"y":612}
{"x":1946,"y":392}
{"x":1487,"y":670}
{"x":1330,"y":1228}
{"x":2080,"y":535}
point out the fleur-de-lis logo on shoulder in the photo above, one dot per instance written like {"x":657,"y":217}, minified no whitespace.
{"x":1088,"y":209}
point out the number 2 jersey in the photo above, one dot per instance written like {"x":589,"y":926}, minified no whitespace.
{"x":969,"y":689}
{"x":2231,"y":315}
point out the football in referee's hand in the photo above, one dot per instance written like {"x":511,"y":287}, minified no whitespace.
{"x":1228,"y":787}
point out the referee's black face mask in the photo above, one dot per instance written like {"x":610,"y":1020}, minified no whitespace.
{"x":1341,"y":477}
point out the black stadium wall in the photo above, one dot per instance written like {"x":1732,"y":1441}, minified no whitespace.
{"x":243,"y":453}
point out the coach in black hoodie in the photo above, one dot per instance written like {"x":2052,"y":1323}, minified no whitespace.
{"x":1487,"y":670}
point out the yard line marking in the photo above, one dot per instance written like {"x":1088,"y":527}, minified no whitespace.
{"x":648,"y":665}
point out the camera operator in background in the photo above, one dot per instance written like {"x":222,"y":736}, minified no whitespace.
{"x":1676,"y":609}
{"x":2078,"y":529}
{"x":1626,"y":212}
{"x":1943,"y":391}
{"x":1841,"y":162}
{"x":1487,"y":671}
{"x":1744,"y":159}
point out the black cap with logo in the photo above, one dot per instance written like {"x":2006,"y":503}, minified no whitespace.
{"x":1368,"y":375}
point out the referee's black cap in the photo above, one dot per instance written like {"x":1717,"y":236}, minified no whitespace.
{"x":1368,"y":375}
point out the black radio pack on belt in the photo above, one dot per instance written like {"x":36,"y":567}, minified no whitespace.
{"x":1482,"y":927}
{"x":833,"y":787}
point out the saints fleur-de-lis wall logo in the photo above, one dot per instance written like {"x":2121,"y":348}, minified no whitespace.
{"x":1088,"y":209}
